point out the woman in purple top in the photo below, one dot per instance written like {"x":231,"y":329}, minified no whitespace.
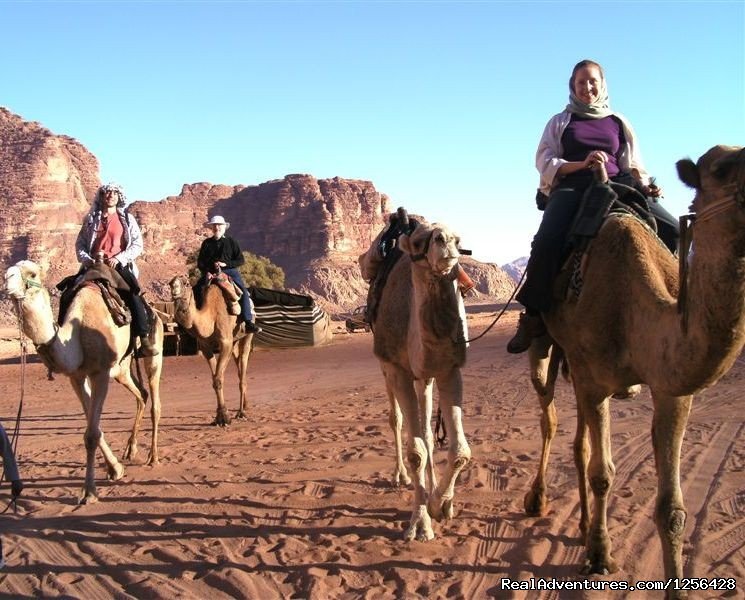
{"x":584,"y":135}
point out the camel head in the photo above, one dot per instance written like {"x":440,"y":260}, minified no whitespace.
{"x":180,"y":288}
{"x":23,"y":284}
{"x":433,"y":246}
{"x":718,"y":178}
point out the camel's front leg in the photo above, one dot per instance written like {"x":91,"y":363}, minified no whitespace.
{"x":544,"y":369}
{"x":241,"y":353}
{"x":114,"y":468}
{"x":402,"y":384}
{"x":668,"y":427}
{"x":218,"y":365}
{"x":424,"y":389}
{"x":93,"y":435}
{"x":581,"y":453}
{"x":395,"y":420}
{"x":450,"y":389}
{"x":601,"y":473}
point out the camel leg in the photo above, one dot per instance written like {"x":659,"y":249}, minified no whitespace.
{"x":217,"y":368}
{"x":581,"y":453}
{"x":420,"y":524}
{"x":154,"y":369}
{"x":124,"y":377}
{"x":601,"y":472}
{"x":424,"y":389}
{"x":450,"y":389}
{"x":668,"y":428}
{"x":99,"y":388}
{"x":395,"y":420}
{"x":114,"y":468}
{"x":544,"y":369}
{"x":241,"y":354}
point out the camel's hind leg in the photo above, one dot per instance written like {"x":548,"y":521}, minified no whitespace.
{"x":242,"y":353}
{"x":601,"y":472}
{"x":395,"y":420}
{"x":82,"y":389}
{"x":450,"y":390}
{"x":153,"y":370}
{"x":545,"y":358}
{"x":402,"y":384}
{"x":668,"y":427}
{"x":124,"y":377}
{"x":581,"y":454}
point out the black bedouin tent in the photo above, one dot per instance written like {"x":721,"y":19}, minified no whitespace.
{"x":289,"y":320}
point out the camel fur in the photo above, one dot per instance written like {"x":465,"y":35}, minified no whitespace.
{"x":89,"y":348}
{"x":216,"y":332}
{"x":420,"y":339}
{"x":627,"y":327}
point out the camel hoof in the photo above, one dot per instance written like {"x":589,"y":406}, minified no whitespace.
{"x":88,"y":498}
{"x":240,"y":415}
{"x":152,"y":461}
{"x":440,"y":509}
{"x":598,"y":566}
{"x":116,"y":472}
{"x":130,"y":452}
{"x":221,"y":421}
{"x":535,"y":503}
{"x":401,"y":478}
{"x":447,"y":509}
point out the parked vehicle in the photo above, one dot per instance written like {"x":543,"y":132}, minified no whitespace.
{"x":358,"y":320}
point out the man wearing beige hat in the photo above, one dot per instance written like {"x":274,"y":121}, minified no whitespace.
{"x":220,"y":252}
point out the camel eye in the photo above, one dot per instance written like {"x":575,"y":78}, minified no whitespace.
{"x":440,"y":239}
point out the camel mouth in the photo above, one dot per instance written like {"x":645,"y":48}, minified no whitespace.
{"x":445,"y":266}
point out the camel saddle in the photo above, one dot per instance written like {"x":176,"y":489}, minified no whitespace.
{"x":107,"y":281}
{"x":600,"y":201}
{"x":399,"y":223}
{"x":231,"y":293}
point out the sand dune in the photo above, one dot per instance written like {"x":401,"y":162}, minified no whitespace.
{"x":295,"y":502}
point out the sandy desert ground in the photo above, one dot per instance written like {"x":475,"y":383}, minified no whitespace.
{"x":296,"y":502}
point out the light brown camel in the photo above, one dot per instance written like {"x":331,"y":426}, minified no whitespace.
{"x":215,"y":330}
{"x":420,"y":338}
{"x":634,"y":322}
{"x":89,"y":348}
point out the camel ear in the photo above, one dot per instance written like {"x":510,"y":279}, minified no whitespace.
{"x":404,"y":243}
{"x":688,"y":173}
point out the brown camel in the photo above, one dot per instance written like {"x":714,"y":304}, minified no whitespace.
{"x":420,"y":338}
{"x":676,"y":336}
{"x":89,"y":348}
{"x":217,"y":337}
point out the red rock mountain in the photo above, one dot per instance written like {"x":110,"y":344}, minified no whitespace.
{"x":314,"y":229}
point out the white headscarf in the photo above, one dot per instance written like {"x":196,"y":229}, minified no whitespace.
{"x":598,"y":109}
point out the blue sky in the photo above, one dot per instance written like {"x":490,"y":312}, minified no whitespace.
{"x":439,"y":104}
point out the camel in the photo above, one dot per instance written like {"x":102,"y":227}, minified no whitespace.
{"x":636,"y":321}
{"x":420,"y":338}
{"x":217,"y":337}
{"x":89,"y":348}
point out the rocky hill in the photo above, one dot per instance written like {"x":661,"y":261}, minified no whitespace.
{"x":313,"y":228}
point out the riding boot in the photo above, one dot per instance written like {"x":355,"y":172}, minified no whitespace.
{"x":529,"y":327}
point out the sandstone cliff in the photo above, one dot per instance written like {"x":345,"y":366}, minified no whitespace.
{"x":46,"y":181}
{"x":314,"y":229}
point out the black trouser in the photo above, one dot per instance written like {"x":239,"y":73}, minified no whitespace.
{"x":140,"y":320}
{"x":549,"y":250}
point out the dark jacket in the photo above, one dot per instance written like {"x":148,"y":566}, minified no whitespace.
{"x":226,"y":250}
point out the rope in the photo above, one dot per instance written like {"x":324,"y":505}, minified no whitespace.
{"x":17,"y":427}
{"x":499,"y":316}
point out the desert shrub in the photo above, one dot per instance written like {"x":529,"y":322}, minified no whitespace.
{"x":256,"y":271}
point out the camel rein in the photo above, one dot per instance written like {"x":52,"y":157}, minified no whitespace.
{"x":499,"y":316}
{"x":17,"y":427}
